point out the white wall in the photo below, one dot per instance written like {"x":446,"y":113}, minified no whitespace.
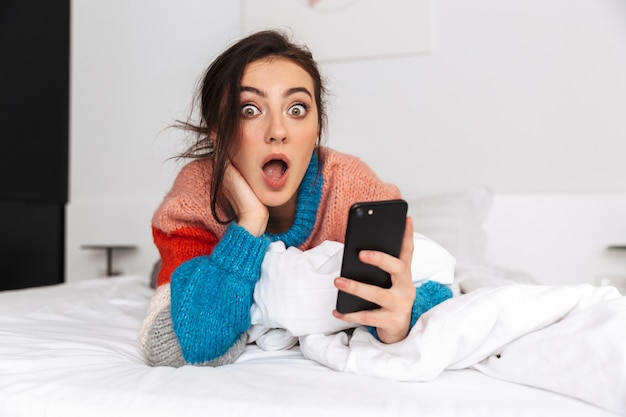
{"x":527,"y":96}
{"x":524,"y":96}
{"x":135,"y":64}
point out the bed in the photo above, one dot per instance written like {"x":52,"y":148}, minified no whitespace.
{"x":504,"y":345}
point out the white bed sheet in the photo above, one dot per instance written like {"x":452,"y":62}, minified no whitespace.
{"x":70,"y":350}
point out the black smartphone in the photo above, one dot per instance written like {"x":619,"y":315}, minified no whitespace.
{"x":377,"y":225}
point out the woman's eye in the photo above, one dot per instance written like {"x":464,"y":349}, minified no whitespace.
{"x":249,"y":110}
{"x":297,"y":110}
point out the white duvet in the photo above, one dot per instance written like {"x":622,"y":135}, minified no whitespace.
{"x":570,"y":340}
{"x":566,"y":339}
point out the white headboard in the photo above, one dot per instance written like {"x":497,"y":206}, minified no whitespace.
{"x":561,"y":238}
{"x":556,"y":238}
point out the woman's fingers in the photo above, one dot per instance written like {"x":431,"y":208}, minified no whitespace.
{"x":368,"y":292}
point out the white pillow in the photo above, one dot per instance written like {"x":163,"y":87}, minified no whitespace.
{"x":296,"y":290}
{"x":455,"y":221}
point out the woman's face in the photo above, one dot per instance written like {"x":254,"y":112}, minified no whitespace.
{"x":279,"y":129}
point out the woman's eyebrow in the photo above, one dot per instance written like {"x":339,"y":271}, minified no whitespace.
{"x":289,"y":92}
{"x":297,"y":90}
{"x":253,"y":90}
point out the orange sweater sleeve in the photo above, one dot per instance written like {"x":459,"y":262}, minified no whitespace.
{"x":180,"y":246}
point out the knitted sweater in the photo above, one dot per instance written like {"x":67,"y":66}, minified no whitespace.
{"x":212,"y":269}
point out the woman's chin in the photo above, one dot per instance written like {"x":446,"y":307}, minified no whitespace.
{"x":279,"y":200}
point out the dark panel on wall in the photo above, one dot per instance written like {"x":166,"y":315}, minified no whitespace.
{"x":30,"y":253}
{"x":34,"y":80}
{"x":34,"y":125}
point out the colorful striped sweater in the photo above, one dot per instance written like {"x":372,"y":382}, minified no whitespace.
{"x":212,"y":268}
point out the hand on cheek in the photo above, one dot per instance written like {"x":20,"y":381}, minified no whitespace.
{"x":393,"y":319}
{"x":251,"y":213}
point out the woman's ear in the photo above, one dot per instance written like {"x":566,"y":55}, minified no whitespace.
{"x":212,"y":139}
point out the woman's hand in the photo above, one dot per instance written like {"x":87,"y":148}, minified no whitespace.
{"x":393,"y":319}
{"x":251,"y":214}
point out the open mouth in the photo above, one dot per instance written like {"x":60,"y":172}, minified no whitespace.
{"x":275,"y":169}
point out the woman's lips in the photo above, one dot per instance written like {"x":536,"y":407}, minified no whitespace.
{"x":275,"y":170}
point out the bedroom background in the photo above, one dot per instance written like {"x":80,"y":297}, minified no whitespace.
{"x":525,"y":97}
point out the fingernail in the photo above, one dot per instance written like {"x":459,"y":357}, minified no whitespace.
{"x":365,"y":254}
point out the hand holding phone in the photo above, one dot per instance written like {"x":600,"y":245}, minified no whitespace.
{"x":378,"y":226}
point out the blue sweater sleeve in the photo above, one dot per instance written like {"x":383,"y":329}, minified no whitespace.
{"x":428,"y":295}
{"x":211,"y":295}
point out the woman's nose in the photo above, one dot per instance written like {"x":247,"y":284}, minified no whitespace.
{"x":276,"y":129}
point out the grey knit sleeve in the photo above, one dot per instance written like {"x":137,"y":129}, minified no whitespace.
{"x":158,"y":342}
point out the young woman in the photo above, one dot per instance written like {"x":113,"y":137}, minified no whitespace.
{"x":260,"y":175}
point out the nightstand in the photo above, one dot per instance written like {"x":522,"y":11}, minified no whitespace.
{"x":109,"y":254}
{"x":616,"y":280}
